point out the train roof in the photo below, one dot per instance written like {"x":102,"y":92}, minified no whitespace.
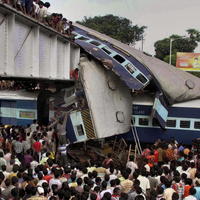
{"x":18,"y":95}
{"x":148,"y":100}
{"x":177,"y":85}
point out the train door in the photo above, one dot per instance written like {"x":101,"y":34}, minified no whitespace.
{"x":8,"y":112}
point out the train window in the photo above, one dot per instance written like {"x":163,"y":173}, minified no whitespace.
{"x":155,"y":122}
{"x":83,"y":38}
{"x":144,"y":121}
{"x":95,"y":43}
{"x":106,"y":50}
{"x":80,"y":130}
{"x":130,"y":68}
{"x":171,"y":123}
{"x":184,"y":124}
{"x":197,"y":125}
{"x":119,"y":58}
{"x":141,"y":78}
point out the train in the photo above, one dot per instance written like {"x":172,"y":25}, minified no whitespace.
{"x":17,"y":107}
{"x":183,"y":122}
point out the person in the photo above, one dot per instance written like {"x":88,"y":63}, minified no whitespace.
{"x":104,"y":189}
{"x":34,"y":126}
{"x":42,"y":11}
{"x":108,"y":161}
{"x":55,"y":180}
{"x":175,"y":196}
{"x":61,"y":131}
{"x":188,"y":185}
{"x":79,"y":187}
{"x":131,"y":164}
{"x":6,"y":193}
{"x":74,"y":74}
{"x":168,"y":192}
{"x":144,"y":181}
{"x":196,"y":63}
{"x":116,"y":194}
{"x":160,"y":154}
{"x":160,"y":193}
{"x":21,"y":5}
{"x":28,"y":158}
{"x":152,"y":180}
{"x":192,"y":171}
{"x":37,"y":147}
{"x":36,"y":8}
{"x":197,"y":188}
{"x":126,"y":184}
{"x":146,"y":152}
{"x":178,"y":186}
{"x":29,"y":7}
{"x":18,"y":148}
{"x":191,"y":195}
{"x":2,"y":160}
{"x":70,"y":29}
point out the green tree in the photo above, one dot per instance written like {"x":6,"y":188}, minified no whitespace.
{"x":194,"y":34}
{"x":180,"y":44}
{"x":116,"y":27}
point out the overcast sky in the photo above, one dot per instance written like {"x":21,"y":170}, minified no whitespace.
{"x":162,"y":17}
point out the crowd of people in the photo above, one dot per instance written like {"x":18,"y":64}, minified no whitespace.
{"x":18,"y":85}
{"x":39,"y":11}
{"x":34,"y":165}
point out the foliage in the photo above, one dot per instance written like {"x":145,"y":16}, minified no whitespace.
{"x":196,"y":74}
{"x":194,"y":34}
{"x":179,"y":44}
{"x":116,"y":27}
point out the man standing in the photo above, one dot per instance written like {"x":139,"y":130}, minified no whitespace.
{"x":37,"y":146}
{"x":18,"y":147}
{"x":62,"y":149}
{"x":131,"y":164}
{"x":2,"y":160}
{"x":144,"y":182}
{"x":61,"y":130}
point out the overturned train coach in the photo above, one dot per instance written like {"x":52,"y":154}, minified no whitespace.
{"x":111,"y":72}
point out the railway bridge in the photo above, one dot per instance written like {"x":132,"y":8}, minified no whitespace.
{"x":30,"y":49}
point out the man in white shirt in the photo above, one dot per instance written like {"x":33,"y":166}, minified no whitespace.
{"x":144,"y":182}
{"x":42,"y":11}
{"x":131,"y":164}
{"x":36,"y":8}
{"x":104,"y":189}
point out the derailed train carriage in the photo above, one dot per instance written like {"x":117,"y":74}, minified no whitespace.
{"x":106,"y":64}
